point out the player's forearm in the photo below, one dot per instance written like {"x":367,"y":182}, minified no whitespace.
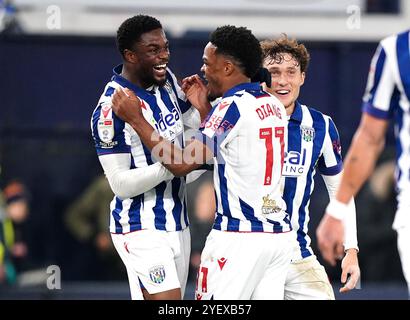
{"x":359,"y":164}
{"x":204,"y":110}
{"x":179,"y":162}
{"x":349,"y":216}
{"x":128,"y":183}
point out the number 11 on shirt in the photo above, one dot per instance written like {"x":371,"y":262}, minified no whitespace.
{"x":266,"y":134}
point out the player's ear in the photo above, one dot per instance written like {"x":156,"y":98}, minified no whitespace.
{"x":229,"y":67}
{"x":303,"y":78}
{"x":130,"y":56}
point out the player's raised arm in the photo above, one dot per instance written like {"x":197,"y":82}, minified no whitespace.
{"x":179,"y":162}
{"x":197,"y":93}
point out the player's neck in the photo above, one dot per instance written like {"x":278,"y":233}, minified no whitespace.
{"x":234,"y":81}
{"x":133,"y":78}
{"x":290,"y":109}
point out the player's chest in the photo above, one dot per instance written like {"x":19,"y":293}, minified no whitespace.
{"x":302,"y":150}
{"x":163,"y":113}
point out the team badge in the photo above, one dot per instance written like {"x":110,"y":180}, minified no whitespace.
{"x":157,"y":274}
{"x":106,"y":129}
{"x":308,"y":133}
{"x":269,"y":206}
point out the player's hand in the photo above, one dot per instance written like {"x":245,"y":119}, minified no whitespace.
{"x":330,"y":236}
{"x":126,"y":105}
{"x":350,"y":271}
{"x":197,"y":93}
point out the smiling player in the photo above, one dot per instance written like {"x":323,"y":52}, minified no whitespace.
{"x":313,"y":144}
{"x":149,"y":222}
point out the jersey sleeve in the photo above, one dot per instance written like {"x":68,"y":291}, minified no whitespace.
{"x":217,"y":127}
{"x":330,"y":162}
{"x":382,"y":96}
{"x":110,"y":133}
{"x":183,"y":102}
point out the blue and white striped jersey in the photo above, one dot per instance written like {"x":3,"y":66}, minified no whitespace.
{"x":163,"y":207}
{"x":313,"y":143}
{"x":387,"y":96}
{"x":247,"y":131}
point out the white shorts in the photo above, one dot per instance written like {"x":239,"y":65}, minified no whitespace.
{"x":244,"y":265}
{"x":159,"y":259}
{"x":307,"y":280}
{"x":403,"y":242}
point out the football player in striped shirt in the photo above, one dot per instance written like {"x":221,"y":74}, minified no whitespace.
{"x":148,"y":221}
{"x":313,"y":145}
{"x":387,"y":97}
{"x":247,"y":254}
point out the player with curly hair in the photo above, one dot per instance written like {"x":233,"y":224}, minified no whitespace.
{"x":313,"y":144}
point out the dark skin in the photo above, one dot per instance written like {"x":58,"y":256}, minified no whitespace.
{"x":145,"y":65}
{"x":221,"y":73}
{"x":139,"y":68}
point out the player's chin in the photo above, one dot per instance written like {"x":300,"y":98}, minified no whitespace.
{"x":160,"y":81}
{"x":212,"y":96}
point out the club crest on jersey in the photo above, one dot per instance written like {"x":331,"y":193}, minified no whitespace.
{"x":157,"y":274}
{"x":105,"y":129}
{"x":308,"y":133}
{"x":269,"y":206}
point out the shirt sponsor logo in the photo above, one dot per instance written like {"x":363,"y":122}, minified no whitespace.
{"x":169,"y":125}
{"x":216,"y":124}
{"x":294,"y":163}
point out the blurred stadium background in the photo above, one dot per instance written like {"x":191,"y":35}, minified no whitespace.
{"x":53,"y":72}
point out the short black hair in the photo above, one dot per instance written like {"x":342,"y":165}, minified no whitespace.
{"x":130,"y":30}
{"x":240,"y":44}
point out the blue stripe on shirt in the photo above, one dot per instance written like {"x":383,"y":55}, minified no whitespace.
{"x":233,"y":224}
{"x":320,"y":132}
{"x":249,"y":213}
{"x":116,"y":214}
{"x":403,"y":60}
{"x":380,"y":64}
{"x":135,"y":212}
{"x":294,"y":144}
{"x":335,"y":140}
{"x":399,"y":146}
{"x":218,"y":216}
{"x":177,"y":209}
{"x":159,"y":211}
{"x":184,"y":106}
